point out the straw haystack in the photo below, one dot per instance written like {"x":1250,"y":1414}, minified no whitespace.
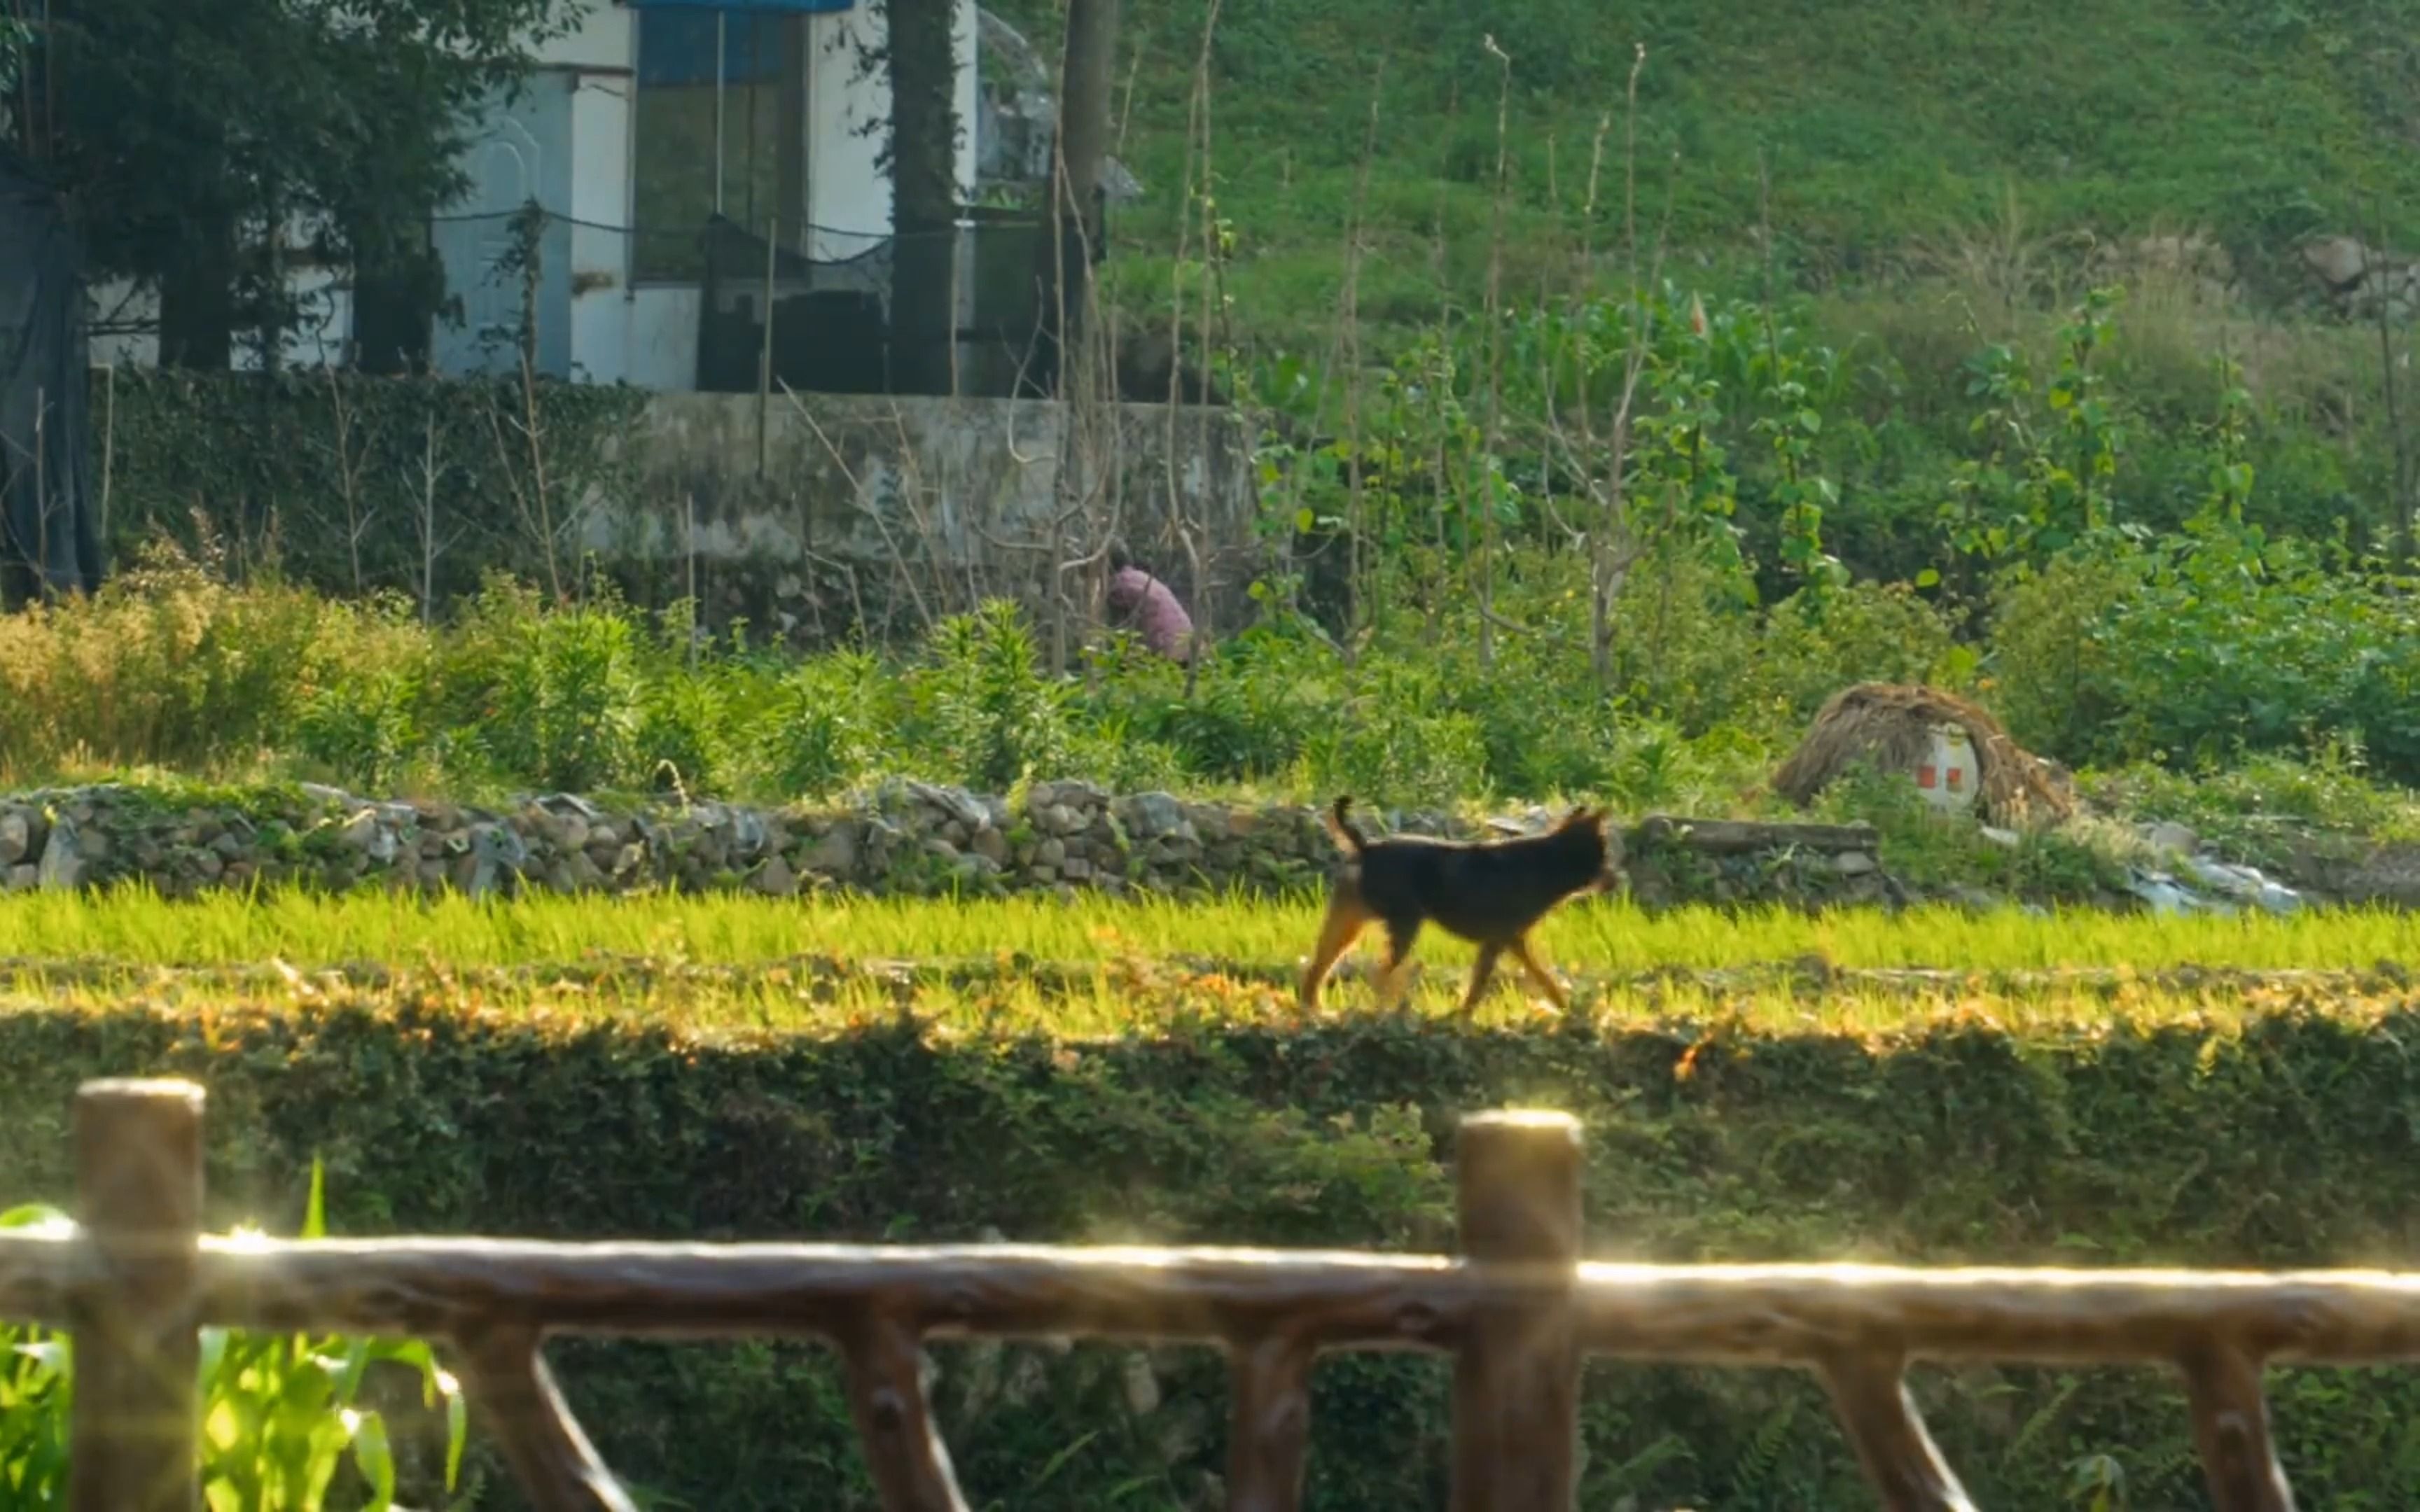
{"x":1889,"y":727}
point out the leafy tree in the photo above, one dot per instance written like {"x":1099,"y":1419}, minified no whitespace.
{"x":16,"y":38}
{"x":184,"y":131}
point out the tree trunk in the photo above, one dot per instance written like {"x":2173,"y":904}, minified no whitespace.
{"x":398,"y":286}
{"x":197,"y":300}
{"x":923,"y":59}
{"x":1064,"y":277}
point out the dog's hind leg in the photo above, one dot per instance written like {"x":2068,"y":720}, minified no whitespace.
{"x":1347,"y":917}
{"x":1539,"y":973}
{"x":1396,"y":977}
{"x":1483,"y":971}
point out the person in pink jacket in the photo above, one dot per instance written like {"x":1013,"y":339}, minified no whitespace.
{"x":1141,"y":602}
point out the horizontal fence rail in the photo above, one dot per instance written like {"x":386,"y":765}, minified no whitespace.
{"x":1516,"y":1309}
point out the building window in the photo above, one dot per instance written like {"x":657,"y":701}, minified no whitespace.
{"x":710,"y":80}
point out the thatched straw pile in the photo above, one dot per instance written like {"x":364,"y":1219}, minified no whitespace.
{"x":1889,"y":727}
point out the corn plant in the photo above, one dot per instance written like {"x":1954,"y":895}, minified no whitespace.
{"x":280,"y":1413}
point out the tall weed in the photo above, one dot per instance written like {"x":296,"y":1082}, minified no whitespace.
{"x":168,"y":665}
{"x":2196,"y":650}
{"x":985,"y":712}
{"x":553,"y":694}
{"x":823,"y":727}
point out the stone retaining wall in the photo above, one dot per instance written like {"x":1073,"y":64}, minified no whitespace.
{"x":900,"y":837}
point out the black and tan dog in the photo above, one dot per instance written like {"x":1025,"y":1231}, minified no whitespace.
{"x":1489,"y":892}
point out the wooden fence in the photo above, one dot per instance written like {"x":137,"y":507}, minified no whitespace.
{"x":1516,"y":1308}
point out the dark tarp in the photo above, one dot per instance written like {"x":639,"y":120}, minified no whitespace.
{"x":677,"y":47}
{"x":809,"y":8}
{"x":48,"y":539}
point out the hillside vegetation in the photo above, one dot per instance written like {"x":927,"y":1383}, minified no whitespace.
{"x":1894,"y":131}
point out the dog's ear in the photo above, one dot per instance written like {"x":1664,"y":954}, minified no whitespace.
{"x":1583,"y":817}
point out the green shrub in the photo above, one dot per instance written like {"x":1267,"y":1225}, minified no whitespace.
{"x":370,"y":722}
{"x":1685,"y":649}
{"x":822,"y":725}
{"x":1815,"y":644}
{"x":552,"y":695}
{"x":1650,"y":766}
{"x":2234,"y":644}
{"x":983,"y":713}
{"x":1432,"y":761}
{"x":1252,"y":705}
{"x":2260,"y":810}
{"x":2196,"y":650}
{"x":2051,"y":662}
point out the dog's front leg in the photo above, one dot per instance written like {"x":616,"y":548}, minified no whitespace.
{"x":1539,"y":973}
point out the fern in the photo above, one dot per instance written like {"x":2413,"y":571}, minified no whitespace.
{"x":1757,"y":1473}
{"x":2044,"y":1417}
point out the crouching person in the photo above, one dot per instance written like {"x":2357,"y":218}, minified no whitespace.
{"x":1143,"y":604}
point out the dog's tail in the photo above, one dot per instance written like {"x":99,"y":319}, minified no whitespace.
{"x":1348,"y":839}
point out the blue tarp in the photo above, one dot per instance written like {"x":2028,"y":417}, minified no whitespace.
{"x":677,"y":48}
{"x":781,"y":6}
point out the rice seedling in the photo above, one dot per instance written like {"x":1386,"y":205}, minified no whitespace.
{"x":139,"y":928}
{"x":1158,"y":999}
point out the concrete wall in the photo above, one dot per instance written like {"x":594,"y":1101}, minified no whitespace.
{"x":601,"y":346}
{"x":895,"y":511}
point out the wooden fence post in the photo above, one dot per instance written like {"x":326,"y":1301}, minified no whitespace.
{"x":134,"y":1428}
{"x":1516,"y":1380}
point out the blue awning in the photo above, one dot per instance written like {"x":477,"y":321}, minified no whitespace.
{"x":780,"y":6}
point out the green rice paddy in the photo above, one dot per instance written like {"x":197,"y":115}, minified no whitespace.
{"x":1609,"y":937}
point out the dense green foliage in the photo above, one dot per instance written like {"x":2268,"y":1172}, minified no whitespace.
{"x":2286,"y":1143}
{"x":169,"y":668}
{"x":2135,"y":549}
{"x":406,"y":485}
{"x":2216,"y":642}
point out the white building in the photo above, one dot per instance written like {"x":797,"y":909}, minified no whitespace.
{"x":648,"y":119}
